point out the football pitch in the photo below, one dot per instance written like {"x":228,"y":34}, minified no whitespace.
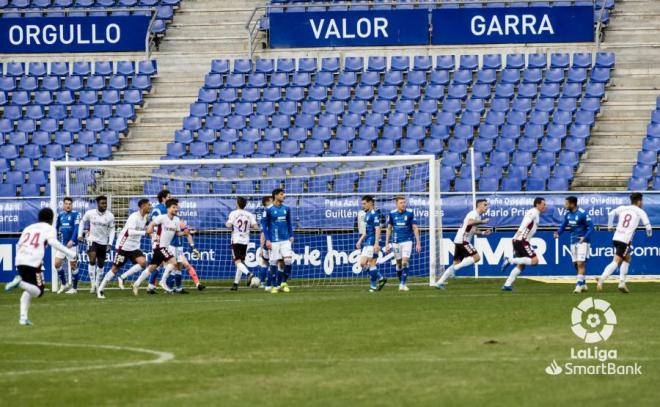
{"x":470,"y":345}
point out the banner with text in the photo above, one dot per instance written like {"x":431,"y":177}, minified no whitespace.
{"x":73,"y":34}
{"x":512,"y":25}
{"x":349,"y":28}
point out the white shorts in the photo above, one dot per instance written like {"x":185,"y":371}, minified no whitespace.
{"x":580,"y":251}
{"x":61,"y":255}
{"x":177,"y":252}
{"x":280,"y":250}
{"x":402,"y":250}
{"x":368,"y":251}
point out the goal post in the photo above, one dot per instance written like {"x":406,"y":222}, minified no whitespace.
{"x":324,"y":194}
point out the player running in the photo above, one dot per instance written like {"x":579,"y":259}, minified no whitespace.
{"x":29,"y":260}
{"x":523,"y":252}
{"x":264,"y":275}
{"x":401,"y":226}
{"x":157,"y":210}
{"x":67,"y":230}
{"x":278,"y":229}
{"x":128,"y":246}
{"x":162,"y":229}
{"x":99,"y":238}
{"x":240,"y":222}
{"x":581,"y":226}
{"x":369,"y":242}
{"x":629,"y":218}
{"x":464,"y":253}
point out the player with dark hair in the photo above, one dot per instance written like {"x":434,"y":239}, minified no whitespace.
{"x":67,"y":231}
{"x":157,"y":210}
{"x":522,"y":249}
{"x":30,"y":252}
{"x":99,"y":238}
{"x":240,"y":222}
{"x":630,"y":217}
{"x":278,"y":229}
{"x":581,"y":227}
{"x":464,"y":253}
{"x":402,"y":227}
{"x":128,"y":246}
{"x":369,"y":242}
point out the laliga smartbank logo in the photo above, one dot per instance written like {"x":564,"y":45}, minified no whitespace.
{"x":593,"y":321}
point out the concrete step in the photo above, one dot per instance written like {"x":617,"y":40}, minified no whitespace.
{"x":606,"y":153}
{"x":601,"y":184}
{"x":626,"y":127}
{"x":646,"y":36}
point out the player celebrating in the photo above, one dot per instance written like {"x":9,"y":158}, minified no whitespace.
{"x":158,"y":210}
{"x":581,"y":227}
{"x":279,"y":238}
{"x":629,"y":218}
{"x":369,"y":242}
{"x":100,"y":236}
{"x":264,"y":275}
{"x":402,"y":226}
{"x":67,"y":229}
{"x":240,"y":222}
{"x":128,"y":245}
{"x":464,"y":253}
{"x":523,"y":252}
{"x":162,"y":230}
{"x":29,"y":260}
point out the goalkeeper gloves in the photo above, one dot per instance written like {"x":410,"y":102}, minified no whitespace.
{"x":196,"y":252}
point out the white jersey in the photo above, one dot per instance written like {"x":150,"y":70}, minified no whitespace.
{"x":629,"y":218}
{"x":32,"y":244}
{"x":240,"y":221}
{"x":166,"y":229}
{"x":529,"y":225}
{"x":465,"y":233}
{"x":101,"y":227}
{"x":362,"y":226}
{"x":131,"y":235}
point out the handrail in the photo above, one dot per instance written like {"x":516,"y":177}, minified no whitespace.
{"x":252,"y":24}
{"x":148,"y":40}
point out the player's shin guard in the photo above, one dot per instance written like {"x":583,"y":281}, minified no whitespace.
{"x":143,"y":276}
{"x":178,"y":280}
{"x":287,"y":272}
{"x":373,"y":276}
{"x":273,"y":276}
{"x":263,"y":274}
{"x":512,"y":277}
{"x":623,"y":272}
{"x":92,"y":274}
{"x":611,"y":268}
{"x":29,"y":291}
{"x":108,"y":277}
{"x":75,"y":278}
{"x":99,"y":275}
{"x":154,"y":277}
{"x":447,"y":273}
{"x":404,"y":275}
{"x":468,"y":261}
{"x":135,"y":269}
{"x":193,"y":274}
{"x":62,"y":275}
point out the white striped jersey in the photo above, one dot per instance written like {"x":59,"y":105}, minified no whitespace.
{"x":32,"y":244}
{"x":166,"y":229}
{"x":529,"y":225}
{"x":101,"y":227}
{"x":131,"y":235}
{"x":465,"y":233}
{"x":629,"y":218}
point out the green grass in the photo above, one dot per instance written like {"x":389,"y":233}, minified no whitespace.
{"x":468,"y":346}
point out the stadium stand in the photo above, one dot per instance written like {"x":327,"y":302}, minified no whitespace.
{"x":51,"y":109}
{"x":527,"y":118}
{"x":165,"y":9}
{"x":644,"y":173}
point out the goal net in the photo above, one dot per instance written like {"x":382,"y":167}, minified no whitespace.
{"x":324,"y":194}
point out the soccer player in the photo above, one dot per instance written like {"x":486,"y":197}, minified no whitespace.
{"x":240,"y":222}
{"x":128,"y":245}
{"x":264,"y":275}
{"x":523,"y":252}
{"x":157,"y":210}
{"x":369,"y":242}
{"x":401,"y":226}
{"x":67,"y":229}
{"x":279,"y":238}
{"x":464,"y":253}
{"x":581,"y":226}
{"x":162,"y":229}
{"x":99,"y":238}
{"x":629,"y":218}
{"x":29,"y":260}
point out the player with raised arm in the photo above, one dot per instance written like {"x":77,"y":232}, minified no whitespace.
{"x":629,"y":219}
{"x":99,"y":238}
{"x":264,"y":275}
{"x":279,"y":239}
{"x":157,"y":210}
{"x":67,"y":230}
{"x":522,"y":249}
{"x":464,"y":253}
{"x":30,"y":252}
{"x":581,"y":227}
{"x":369,"y":243}
{"x":162,"y":230}
{"x":240,"y":222}
{"x":402,"y":226}
{"x":128,"y":245}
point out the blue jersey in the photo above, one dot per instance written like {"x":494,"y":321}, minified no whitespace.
{"x":278,"y":226}
{"x":580,"y":225}
{"x":372,"y":221}
{"x":402,"y":225}
{"x":67,"y":227}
